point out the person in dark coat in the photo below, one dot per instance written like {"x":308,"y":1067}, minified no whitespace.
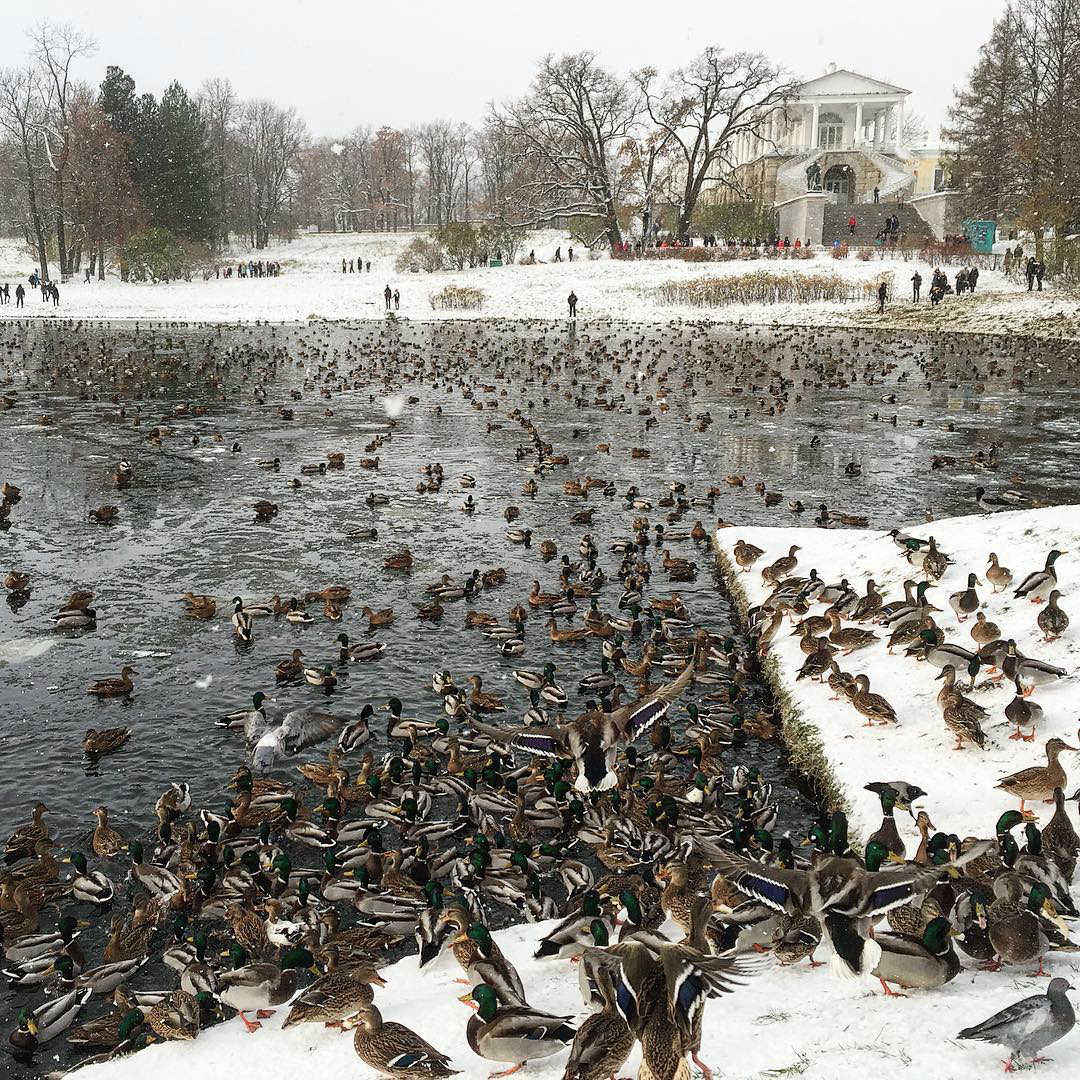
{"x":1040,"y":269}
{"x":973,"y":278}
{"x":882,"y":292}
{"x":1029,"y":272}
{"x":877,"y":194}
{"x":916,"y":285}
{"x":387,"y":296}
{"x":397,"y":300}
{"x":20,"y":295}
{"x":56,"y":295}
{"x":571,"y":301}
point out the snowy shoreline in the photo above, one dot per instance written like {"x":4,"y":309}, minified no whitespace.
{"x":311,"y":286}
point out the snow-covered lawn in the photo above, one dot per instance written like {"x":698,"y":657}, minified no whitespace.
{"x":962,"y":797}
{"x":312,"y":284}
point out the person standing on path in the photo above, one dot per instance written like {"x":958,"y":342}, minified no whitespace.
{"x":882,"y":292}
{"x":571,"y":302}
{"x":916,"y":285}
{"x":973,"y":278}
{"x":1029,"y":272}
{"x":877,"y":194}
{"x":5,"y":294}
{"x":397,"y":300}
{"x":1039,"y":269}
{"x":56,"y":295}
{"x":387,"y":296}
{"x":851,"y":224}
{"x":20,"y":295}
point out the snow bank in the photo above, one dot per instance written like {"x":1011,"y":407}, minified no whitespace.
{"x":312,"y":285}
{"x":961,"y":794}
{"x":785,"y":1022}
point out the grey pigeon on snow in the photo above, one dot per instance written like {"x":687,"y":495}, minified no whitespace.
{"x":1030,"y":1025}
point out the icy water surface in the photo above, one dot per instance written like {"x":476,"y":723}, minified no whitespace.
{"x":789,"y":409}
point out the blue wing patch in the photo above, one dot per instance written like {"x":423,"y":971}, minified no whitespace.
{"x":886,"y":897}
{"x":764,"y":889}
{"x":538,"y":744}
{"x":642,"y":719}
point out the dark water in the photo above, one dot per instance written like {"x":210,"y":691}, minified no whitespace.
{"x":186,"y":523}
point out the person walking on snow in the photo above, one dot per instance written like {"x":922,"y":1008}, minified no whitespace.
{"x":877,"y":193}
{"x":973,"y":278}
{"x":387,"y":296}
{"x":882,"y":291}
{"x":20,"y":295}
{"x":851,"y":224}
{"x":56,"y":295}
{"x":916,"y":285}
{"x":397,"y":300}
{"x":571,"y":301}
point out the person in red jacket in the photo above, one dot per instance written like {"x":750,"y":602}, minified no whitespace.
{"x":851,"y":223}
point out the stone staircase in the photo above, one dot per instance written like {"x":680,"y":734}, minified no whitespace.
{"x":894,"y":177}
{"x":871,"y":220}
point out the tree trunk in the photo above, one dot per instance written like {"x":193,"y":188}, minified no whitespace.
{"x":39,"y":229}
{"x":61,"y":241}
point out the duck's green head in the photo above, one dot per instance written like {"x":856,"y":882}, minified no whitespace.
{"x":518,"y":859}
{"x":479,"y":933}
{"x":394,"y":705}
{"x":201,"y":945}
{"x":590,"y":904}
{"x":929,"y":636}
{"x":433,"y":890}
{"x":250,"y":861}
{"x":1039,"y":899}
{"x":238,"y":956}
{"x":331,"y":808}
{"x":876,"y":854}
{"x":283,"y":865}
{"x":487,"y":1004}
{"x":257,"y":700}
{"x":66,"y":925}
{"x":206,"y":876}
{"x":65,"y":966}
{"x":888,"y":802}
{"x":1008,"y":821}
{"x":763,"y":839}
{"x":816,"y":837}
{"x":135,"y":850}
{"x":296,"y":958}
{"x":631,"y":905}
{"x":1053,"y":557}
{"x":78,"y":860}
{"x":838,"y":833}
{"x":130,"y":1022}
{"x":291,"y":808}
{"x":599,"y":931}
{"x":937,"y":935}
{"x":1034,"y":838}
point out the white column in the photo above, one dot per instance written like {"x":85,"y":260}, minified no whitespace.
{"x":899,"y":125}
{"x":891,"y":141}
{"x":814,"y":128}
{"x":858,"y":125}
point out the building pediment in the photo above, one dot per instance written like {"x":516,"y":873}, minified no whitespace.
{"x":843,"y":83}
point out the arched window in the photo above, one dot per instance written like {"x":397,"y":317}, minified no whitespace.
{"x":830,"y":131}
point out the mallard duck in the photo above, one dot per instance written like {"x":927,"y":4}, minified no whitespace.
{"x":258,"y":987}
{"x":103,"y":979}
{"x":176,"y":1017}
{"x":484,"y":702}
{"x":341,"y":993}
{"x":516,"y":1033}
{"x":241,"y":620}
{"x":24,"y":840}
{"x":44,"y":1023}
{"x":782,"y":567}
{"x":384,"y":617}
{"x":200,"y":607}
{"x":746,"y":555}
{"x":394,"y":1050}
{"x":105,"y":741}
{"x":16,"y":581}
{"x":604,"y":1041}
{"x":105,"y":515}
{"x":1022,"y":712}
{"x":1053,"y":622}
{"x":89,"y":886}
{"x":967,"y":600}
{"x":984,"y":631}
{"x":572,"y":934}
{"x":999,"y":576}
{"x":325,"y":677}
{"x":850,"y":638}
{"x":360,"y":652}
{"x":111,"y":1029}
{"x":1039,"y":781}
{"x":1015,"y":921}
{"x":402,"y":560}
{"x":157,"y":880}
{"x":1059,"y":838}
{"x":119,"y":686}
{"x":1028,"y":671}
{"x":872,"y":706}
{"x":887,"y":833}
{"x":291,"y":668}
{"x":925,"y":962}
{"x":1038,"y":585}
{"x":106,"y":842}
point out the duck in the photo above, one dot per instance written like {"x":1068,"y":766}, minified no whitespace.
{"x":516,"y":1033}
{"x":384,"y":617}
{"x":1038,"y":585}
{"x":394,"y":1050}
{"x":1028,"y":671}
{"x":1038,"y":781}
{"x":872,"y":706}
{"x":1021,"y":711}
{"x":926,"y":962}
{"x":999,"y":576}
{"x":967,"y":600}
{"x":746,"y":555}
{"x":260,"y":986}
{"x":1015,"y":921}
{"x":89,"y":886}
{"x":291,"y":668}
{"x":115,"y":686}
{"x":43,"y":1024}
{"x":105,"y":741}
{"x":604,"y":1041}
{"x":200,"y":607}
{"x":342,"y":992}
{"x":361,"y":651}
{"x":1052,"y":621}
{"x":983,"y":631}
{"x":106,"y":841}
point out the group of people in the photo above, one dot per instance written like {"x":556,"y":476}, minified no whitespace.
{"x":966,"y":280}
{"x":250,"y":269}
{"x":558,"y":255}
{"x":359,"y":266}
{"x":890,"y":231}
{"x":392,"y":295}
{"x":49,"y":291}
{"x":1033,"y":271}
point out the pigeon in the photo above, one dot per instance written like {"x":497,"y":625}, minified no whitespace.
{"x":1030,"y":1025}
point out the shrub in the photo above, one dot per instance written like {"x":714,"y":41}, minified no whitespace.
{"x":870,"y":287}
{"x":160,"y":255}
{"x":758,"y":287}
{"x":421,"y":254}
{"x":458,"y":298}
{"x":458,"y":241}
{"x":864,"y":254}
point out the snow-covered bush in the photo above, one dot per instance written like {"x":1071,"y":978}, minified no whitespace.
{"x":458,"y":298}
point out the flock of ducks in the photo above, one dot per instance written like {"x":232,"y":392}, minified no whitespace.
{"x":628,"y":827}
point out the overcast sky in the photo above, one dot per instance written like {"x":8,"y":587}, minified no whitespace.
{"x":344,"y":63}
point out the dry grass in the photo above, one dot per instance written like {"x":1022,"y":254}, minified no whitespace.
{"x":458,"y":298}
{"x":759,"y":287}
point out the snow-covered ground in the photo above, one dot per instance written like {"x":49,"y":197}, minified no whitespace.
{"x":312,"y":285}
{"x":962,"y":797}
{"x":783,"y":1023}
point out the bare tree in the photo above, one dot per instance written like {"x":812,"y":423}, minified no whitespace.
{"x":703,"y":107}
{"x":22,"y":120}
{"x":221,"y":107}
{"x":572,"y":125}
{"x":270,"y":139}
{"x":55,"y":50}
{"x":916,"y":132}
